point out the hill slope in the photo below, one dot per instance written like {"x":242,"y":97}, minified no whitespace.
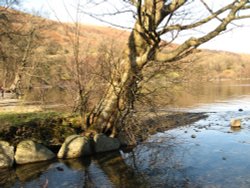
{"x":51,"y":54}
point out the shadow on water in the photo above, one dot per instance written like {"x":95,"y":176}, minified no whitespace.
{"x":158,"y":162}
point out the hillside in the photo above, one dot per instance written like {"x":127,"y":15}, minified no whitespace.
{"x":49,"y":54}
{"x":217,"y":65}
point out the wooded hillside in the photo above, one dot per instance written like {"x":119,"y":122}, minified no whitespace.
{"x":41,"y":53}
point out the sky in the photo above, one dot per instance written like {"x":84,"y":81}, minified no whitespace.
{"x":237,"y":40}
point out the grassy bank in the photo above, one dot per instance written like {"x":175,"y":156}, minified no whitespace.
{"x":49,"y":128}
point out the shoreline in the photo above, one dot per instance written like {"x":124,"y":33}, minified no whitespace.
{"x":165,"y":121}
{"x":33,"y":125}
{"x":55,"y":136}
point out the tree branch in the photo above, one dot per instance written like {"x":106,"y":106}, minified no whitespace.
{"x":197,"y":24}
{"x":195,"y":42}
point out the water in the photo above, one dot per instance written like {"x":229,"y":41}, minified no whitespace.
{"x":107,"y":170}
{"x":207,"y":153}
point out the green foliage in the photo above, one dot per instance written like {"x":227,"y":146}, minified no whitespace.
{"x":40,"y":118}
{"x":16,"y":119}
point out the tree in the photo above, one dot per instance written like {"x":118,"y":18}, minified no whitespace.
{"x":79,"y":67}
{"x":155,"y":18}
{"x":5,"y":37}
{"x":9,"y":3}
{"x":20,"y":37}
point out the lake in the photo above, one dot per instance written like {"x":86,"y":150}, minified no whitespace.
{"x":207,"y":153}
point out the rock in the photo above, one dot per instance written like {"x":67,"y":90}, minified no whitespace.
{"x":240,"y":110}
{"x":123,"y":139}
{"x":104,"y":143}
{"x":235,"y":123}
{"x":28,"y":152}
{"x":193,"y":136}
{"x":75,"y":146}
{"x":6,"y":154}
{"x":59,"y":168}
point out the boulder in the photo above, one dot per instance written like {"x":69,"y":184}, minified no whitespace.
{"x":29,"y":151}
{"x":235,"y":123}
{"x":104,"y":143}
{"x":123,"y":139}
{"x":75,"y":146}
{"x":6,"y":154}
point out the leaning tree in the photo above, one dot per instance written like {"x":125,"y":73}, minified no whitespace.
{"x":154,"y":19}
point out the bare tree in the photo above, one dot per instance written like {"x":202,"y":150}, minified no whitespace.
{"x":155,"y":18}
{"x":88,"y":65}
{"x":6,"y":31}
{"x":79,"y":66}
{"x":20,"y":37}
{"x":9,"y":3}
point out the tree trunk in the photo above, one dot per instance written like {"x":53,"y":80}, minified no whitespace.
{"x":16,"y":84}
{"x":109,"y":115}
{"x":117,"y":102}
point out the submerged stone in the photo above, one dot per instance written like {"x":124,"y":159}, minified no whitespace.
{"x":29,"y":151}
{"x":6,"y":154}
{"x":75,"y":146}
{"x":235,"y":123}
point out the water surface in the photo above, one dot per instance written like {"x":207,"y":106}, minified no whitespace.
{"x":207,"y":153}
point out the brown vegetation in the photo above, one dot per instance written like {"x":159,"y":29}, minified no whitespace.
{"x":212,"y":65}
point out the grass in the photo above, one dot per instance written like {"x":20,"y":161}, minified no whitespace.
{"x":17,"y":119}
{"x":50,"y":120}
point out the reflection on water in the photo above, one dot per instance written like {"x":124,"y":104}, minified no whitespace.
{"x":109,"y":170}
{"x":188,"y":95}
{"x":210,"y":92}
{"x":207,"y":153}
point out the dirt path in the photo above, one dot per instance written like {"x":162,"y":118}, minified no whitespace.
{"x":9,"y":103}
